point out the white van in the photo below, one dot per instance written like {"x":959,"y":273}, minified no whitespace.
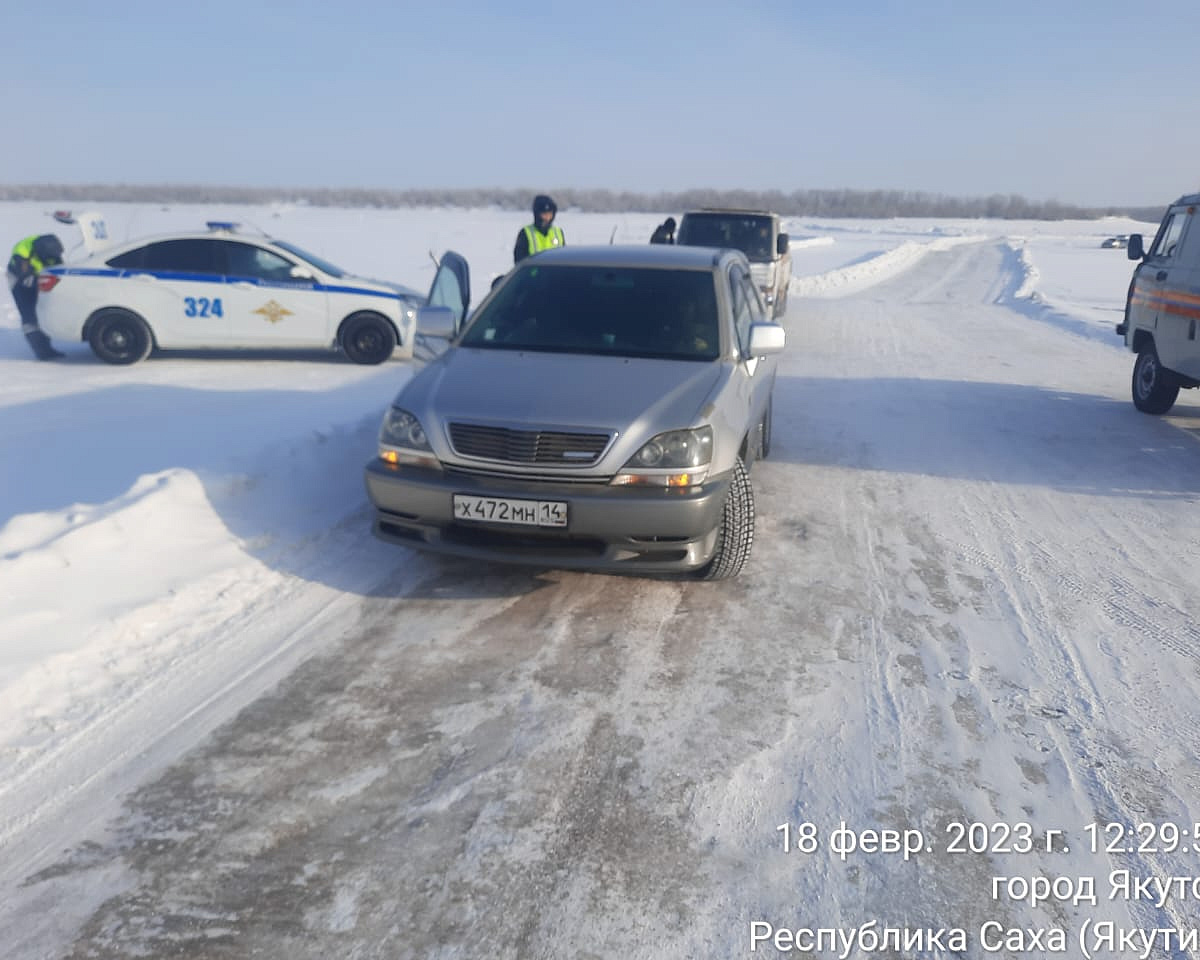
{"x":1163,"y":307}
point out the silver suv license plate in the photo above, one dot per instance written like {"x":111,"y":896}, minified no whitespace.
{"x":533,"y":513}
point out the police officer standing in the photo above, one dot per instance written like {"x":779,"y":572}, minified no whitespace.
{"x":541,"y":234}
{"x":29,"y":258}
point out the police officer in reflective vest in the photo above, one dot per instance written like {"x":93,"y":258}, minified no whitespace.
{"x":541,"y":234}
{"x":29,"y":257}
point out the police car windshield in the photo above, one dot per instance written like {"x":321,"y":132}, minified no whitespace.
{"x":323,"y":265}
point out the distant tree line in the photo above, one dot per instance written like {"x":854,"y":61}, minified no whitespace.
{"x":867,"y":204}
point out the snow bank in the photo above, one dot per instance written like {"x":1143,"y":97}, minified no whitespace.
{"x":1027,"y":273}
{"x":883,"y":266}
{"x":1047,"y":283}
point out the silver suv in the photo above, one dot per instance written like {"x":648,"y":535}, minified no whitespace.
{"x":601,"y":409}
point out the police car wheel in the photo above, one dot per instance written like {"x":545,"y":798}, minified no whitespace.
{"x":368,"y":339}
{"x":118,"y":336}
{"x":1154,"y":388}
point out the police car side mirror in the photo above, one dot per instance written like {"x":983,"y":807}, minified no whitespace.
{"x":301,"y":273}
{"x":1133,"y":250}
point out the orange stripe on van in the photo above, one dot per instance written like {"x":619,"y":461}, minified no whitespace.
{"x":1167,"y":298}
{"x":1180,"y":306}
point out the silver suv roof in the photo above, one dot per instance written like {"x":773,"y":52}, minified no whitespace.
{"x":651,"y":256}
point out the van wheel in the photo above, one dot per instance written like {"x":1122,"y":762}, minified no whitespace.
{"x":119,"y":336}
{"x":735,"y":535}
{"x":1154,"y":388}
{"x":368,"y":338}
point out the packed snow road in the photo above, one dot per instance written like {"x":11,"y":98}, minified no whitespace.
{"x":966,"y":641}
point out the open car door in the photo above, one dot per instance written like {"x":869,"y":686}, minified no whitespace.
{"x":452,"y":287}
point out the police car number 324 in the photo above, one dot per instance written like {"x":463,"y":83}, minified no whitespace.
{"x":220,"y":288}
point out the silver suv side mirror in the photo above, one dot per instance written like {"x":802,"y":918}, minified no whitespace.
{"x":436,"y":322}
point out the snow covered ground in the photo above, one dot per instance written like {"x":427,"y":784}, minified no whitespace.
{"x":99,"y":461}
{"x":177,"y":537}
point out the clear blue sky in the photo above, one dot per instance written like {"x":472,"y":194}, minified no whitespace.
{"x":1083,"y":102}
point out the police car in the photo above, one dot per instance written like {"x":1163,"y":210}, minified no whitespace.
{"x":220,"y":288}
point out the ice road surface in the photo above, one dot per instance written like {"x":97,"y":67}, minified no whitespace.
{"x":232,"y":724}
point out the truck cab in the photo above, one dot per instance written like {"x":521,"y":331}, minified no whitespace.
{"x":1162,"y":309}
{"x":757,"y":234}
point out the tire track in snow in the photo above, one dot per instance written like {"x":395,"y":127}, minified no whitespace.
{"x":1041,"y":593}
{"x":1115,"y":786}
{"x":1173,"y":628}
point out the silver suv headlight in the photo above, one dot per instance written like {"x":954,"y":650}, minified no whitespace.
{"x":678,"y":458}
{"x":402,"y":440}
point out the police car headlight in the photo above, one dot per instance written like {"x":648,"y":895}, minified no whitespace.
{"x":678,"y":458}
{"x":402,"y":440}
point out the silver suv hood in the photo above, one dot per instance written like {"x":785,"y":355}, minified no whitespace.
{"x":631,"y":397}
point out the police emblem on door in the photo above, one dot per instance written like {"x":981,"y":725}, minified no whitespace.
{"x":273,"y":311}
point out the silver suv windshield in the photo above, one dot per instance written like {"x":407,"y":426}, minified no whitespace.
{"x":626,"y":312}
{"x":746,"y":232}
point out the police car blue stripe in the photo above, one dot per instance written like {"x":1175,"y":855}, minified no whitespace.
{"x":389,"y":294}
{"x":216,"y":278}
{"x":81,"y":272}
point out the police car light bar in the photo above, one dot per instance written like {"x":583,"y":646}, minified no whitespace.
{"x":221,"y":225}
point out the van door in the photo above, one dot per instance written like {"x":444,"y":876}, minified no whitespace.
{"x":1159,"y":286}
{"x":1181,"y":292}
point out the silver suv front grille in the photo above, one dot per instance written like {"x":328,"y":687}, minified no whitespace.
{"x":544,"y":447}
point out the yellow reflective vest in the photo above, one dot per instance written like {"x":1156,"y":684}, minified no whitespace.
{"x":24,"y":250}
{"x":539,"y":241}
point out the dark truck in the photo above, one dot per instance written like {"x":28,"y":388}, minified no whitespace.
{"x":757,"y":234}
